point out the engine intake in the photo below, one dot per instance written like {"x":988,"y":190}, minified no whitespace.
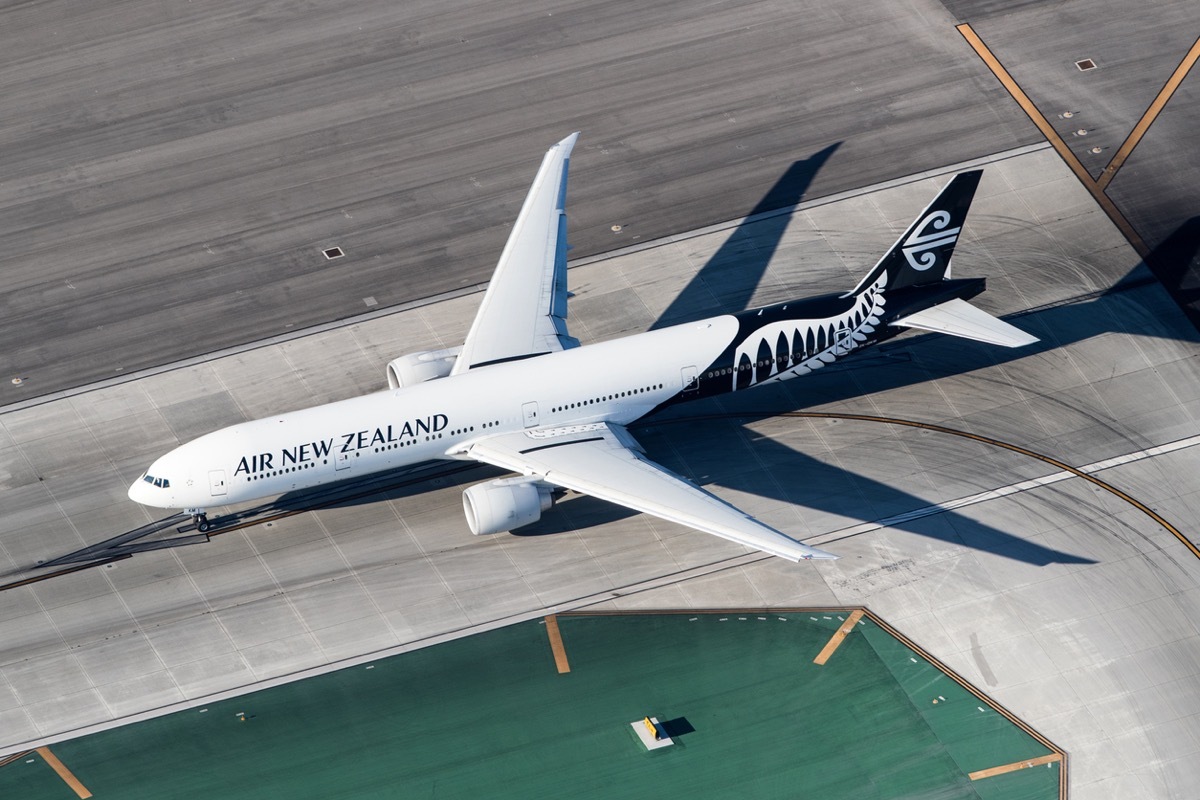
{"x":427,"y":365}
{"x":506,"y":504}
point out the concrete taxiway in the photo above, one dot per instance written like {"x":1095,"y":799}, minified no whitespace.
{"x":1068,"y":604}
{"x":169,"y":176}
{"x":168,"y":179}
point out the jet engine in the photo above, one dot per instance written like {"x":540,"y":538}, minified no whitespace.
{"x":505,"y":504}
{"x":426,"y":365}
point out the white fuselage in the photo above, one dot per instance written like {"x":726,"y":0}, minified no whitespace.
{"x":617,"y":381}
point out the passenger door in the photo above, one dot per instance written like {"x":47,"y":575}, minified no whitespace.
{"x":690,"y":383}
{"x":530,"y":412}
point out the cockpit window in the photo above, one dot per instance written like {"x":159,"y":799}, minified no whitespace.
{"x":161,"y":483}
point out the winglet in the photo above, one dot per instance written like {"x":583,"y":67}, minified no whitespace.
{"x":815,"y":554}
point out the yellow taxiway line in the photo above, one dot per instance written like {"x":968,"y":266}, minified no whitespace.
{"x":1033,"y":762}
{"x":1151,"y":114}
{"x":556,"y":645}
{"x":1056,"y":141}
{"x":1054,"y":462}
{"x":64,"y":773}
{"x":838,"y":637}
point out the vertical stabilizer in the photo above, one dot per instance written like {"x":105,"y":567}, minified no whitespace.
{"x":922,"y":254}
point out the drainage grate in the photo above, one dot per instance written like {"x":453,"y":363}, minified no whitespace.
{"x":333,"y":252}
{"x":1085,"y":64}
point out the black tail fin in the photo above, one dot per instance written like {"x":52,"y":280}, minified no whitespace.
{"x":922,"y":254}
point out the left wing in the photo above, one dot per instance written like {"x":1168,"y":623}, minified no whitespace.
{"x":524,"y":310}
{"x":604,"y":461}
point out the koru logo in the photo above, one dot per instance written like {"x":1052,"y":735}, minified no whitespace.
{"x":930,"y":233}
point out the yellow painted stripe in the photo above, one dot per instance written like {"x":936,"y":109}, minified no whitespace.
{"x":1055,"y":140}
{"x":1033,"y":762}
{"x":1023,"y":101}
{"x":838,"y":637}
{"x":1092,"y":479}
{"x":556,"y":645}
{"x":1151,"y":114}
{"x":64,"y":773}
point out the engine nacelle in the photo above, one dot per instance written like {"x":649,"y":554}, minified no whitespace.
{"x":427,"y":365}
{"x":505,"y":504}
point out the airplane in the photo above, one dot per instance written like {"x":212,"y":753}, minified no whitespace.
{"x":523,"y":395}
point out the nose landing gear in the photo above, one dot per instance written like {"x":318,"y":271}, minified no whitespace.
{"x":200,"y":520}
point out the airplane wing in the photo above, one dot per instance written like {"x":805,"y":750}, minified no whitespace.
{"x":605,"y":461}
{"x":524,"y":310}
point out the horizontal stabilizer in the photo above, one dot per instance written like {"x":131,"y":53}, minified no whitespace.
{"x":960,"y":318}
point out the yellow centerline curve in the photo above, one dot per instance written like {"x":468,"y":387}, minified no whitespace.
{"x":1156,"y":107}
{"x":1139,"y":505}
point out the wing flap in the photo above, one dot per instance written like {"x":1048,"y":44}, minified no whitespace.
{"x":960,"y":318}
{"x":604,"y":461}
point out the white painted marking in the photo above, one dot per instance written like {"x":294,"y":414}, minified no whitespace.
{"x":1004,"y":491}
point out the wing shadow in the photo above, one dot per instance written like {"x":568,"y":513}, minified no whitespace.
{"x":1125,"y":307}
{"x":729,"y":278}
{"x":794,"y":477}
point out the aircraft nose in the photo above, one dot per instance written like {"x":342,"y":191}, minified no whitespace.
{"x":137,"y":491}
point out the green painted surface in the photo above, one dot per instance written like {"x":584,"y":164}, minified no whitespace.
{"x":32,"y":781}
{"x":488,"y":716}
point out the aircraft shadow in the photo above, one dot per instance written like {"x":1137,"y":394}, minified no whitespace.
{"x":728,"y":281}
{"x":912,"y":360}
{"x":730,"y":277}
{"x":917,"y":359}
{"x":1175,"y":264}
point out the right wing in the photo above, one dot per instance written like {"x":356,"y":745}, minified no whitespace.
{"x":603,"y":460}
{"x":524,"y":309}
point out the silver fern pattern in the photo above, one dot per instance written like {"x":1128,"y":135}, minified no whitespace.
{"x":792,"y":347}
